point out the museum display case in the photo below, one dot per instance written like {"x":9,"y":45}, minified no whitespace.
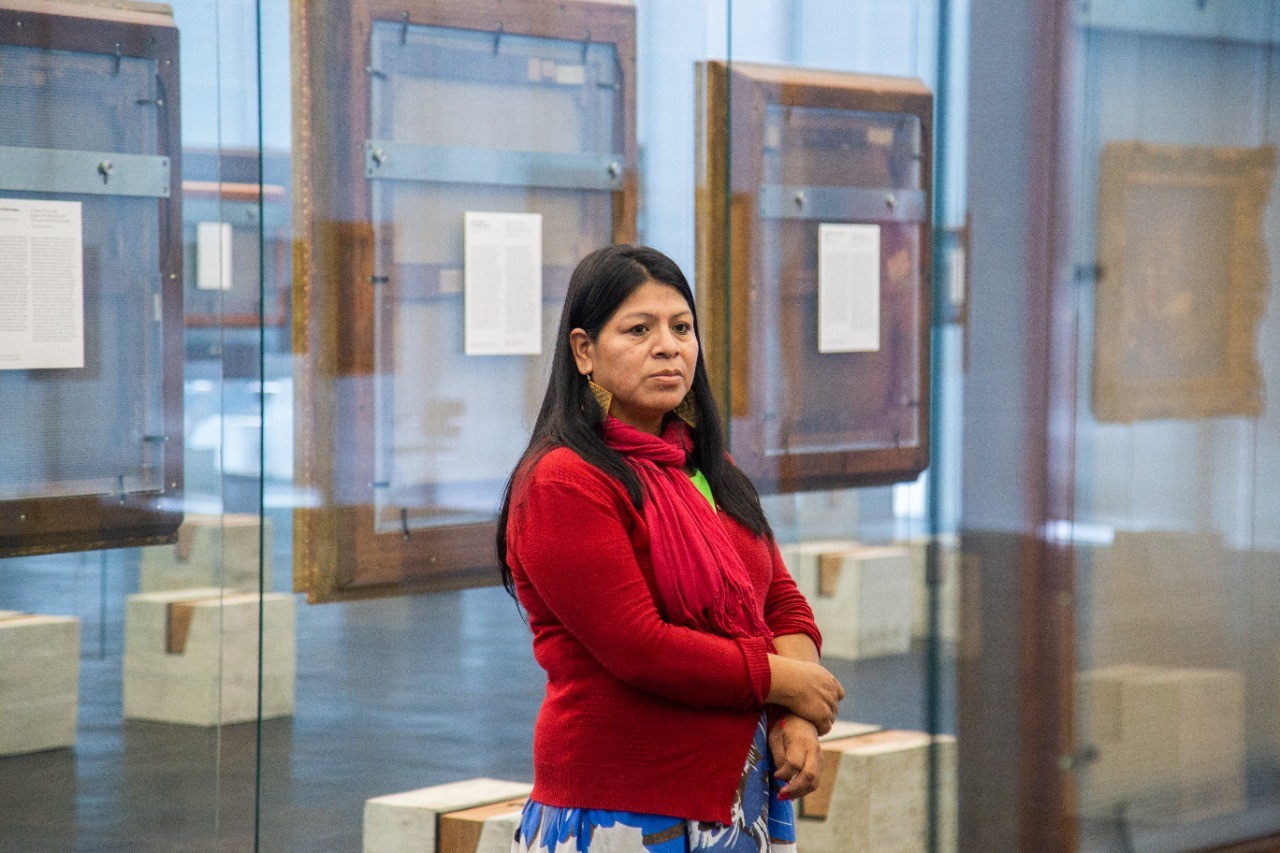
{"x":1118,"y":497}
{"x":1177,"y":564}
{"x":111,"y":488}
{"x":316,"y":334}
{"x":821,"y":303}
{"x":986,"y":292}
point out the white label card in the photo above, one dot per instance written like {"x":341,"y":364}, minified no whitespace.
{"x":41,"y":285}
{"x":502,"y":283}
{"x":213,"y":256}
{"x":848,"y":288}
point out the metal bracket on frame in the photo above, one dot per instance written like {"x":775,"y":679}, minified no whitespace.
{"x":56,"y":170}
{"x":400,"y":161}
{"x":779,"y":201}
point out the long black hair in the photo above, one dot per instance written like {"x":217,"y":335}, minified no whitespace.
{"x":570,"y":416}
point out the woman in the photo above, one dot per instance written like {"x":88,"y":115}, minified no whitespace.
{"x":677,"y":647}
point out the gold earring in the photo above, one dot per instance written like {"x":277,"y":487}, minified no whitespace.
{"x":687,"y":411}
{"x":603,"y":397}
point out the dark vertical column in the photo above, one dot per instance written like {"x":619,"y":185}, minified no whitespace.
{"x":1046,"y":683}
{"x":1014,"y":691}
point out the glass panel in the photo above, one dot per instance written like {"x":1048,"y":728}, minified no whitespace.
{"x":129,"y":676}
{"x":1178,"y":565}
{"x":880,"y":564}
{"x":194,"y":746}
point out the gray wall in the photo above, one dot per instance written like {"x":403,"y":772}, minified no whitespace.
{"x":994,"y":510}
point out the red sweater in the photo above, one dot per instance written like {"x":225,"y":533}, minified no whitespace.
{"x":639,"y":715}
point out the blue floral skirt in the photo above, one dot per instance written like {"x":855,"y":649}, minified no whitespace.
{"x":761,"y":822}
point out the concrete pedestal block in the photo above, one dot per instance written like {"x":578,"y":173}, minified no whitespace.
{"x":842,"y":729}
{"x":39,"y":682}
{"x":802,"y":559}
{"x":211,"y":551}
{"x":873,"y":796}
{"x":191,"y":656}
{"x":865,"y":602}
{"x":1169,"y":743}
{"x":400,"y":823}
{"x":1158,"y":598}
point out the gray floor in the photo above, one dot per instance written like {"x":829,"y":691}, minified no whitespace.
{"x":391,"y":695}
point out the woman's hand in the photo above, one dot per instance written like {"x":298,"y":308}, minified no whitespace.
{"x":807,"y":689}
{"x":793,"y":742}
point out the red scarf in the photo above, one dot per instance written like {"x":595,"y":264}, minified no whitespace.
{"x":701,"y":579}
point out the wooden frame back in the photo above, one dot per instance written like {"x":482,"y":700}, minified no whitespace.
{"x":89,"y":522}
{"x":338,"y":553}
{"x":730,"y":269}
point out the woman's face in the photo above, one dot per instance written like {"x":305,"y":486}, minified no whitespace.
{"x":645,"y":355}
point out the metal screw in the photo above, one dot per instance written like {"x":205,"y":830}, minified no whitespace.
{"x":890,"y":200}
{"x":379,"y":156}
{"x":105,"y":168}
{"x":798,"y":198}
{"x":615,"y":169}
